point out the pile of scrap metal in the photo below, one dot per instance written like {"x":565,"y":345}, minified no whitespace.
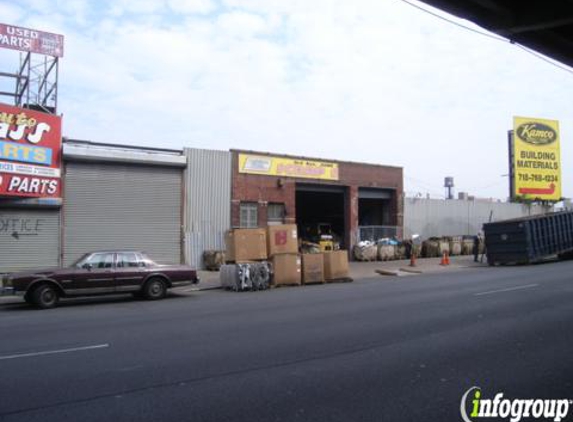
{"x":383,"y":250}
{"x":390,"y":249}
{"x":309,"y":247}
{"x":213,"y":259}
{"x":365,"y":251}
{"x":242,"y":277}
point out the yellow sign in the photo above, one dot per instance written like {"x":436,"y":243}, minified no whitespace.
{"x":287,"y":167}
{"x":536,"y":159}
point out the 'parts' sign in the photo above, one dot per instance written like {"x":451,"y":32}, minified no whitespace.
{"x":30,"y":153}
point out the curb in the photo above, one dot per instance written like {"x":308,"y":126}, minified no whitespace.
{"x":410,"y":270}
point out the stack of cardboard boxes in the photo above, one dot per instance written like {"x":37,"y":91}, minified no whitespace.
{"x":282,"y":248}
{"x":244,"y":245}
{"x":279,"y":244}
{"x":336,"y":265}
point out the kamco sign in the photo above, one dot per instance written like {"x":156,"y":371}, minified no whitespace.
{"x":30,"y":153}
{"x":536,"y":159}
{"x":536,"y":133}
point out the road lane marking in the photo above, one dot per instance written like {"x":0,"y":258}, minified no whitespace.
{"x":53,"y":352}
{"x":509,"y":289}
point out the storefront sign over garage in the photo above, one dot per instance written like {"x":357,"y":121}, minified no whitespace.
{"x":537,"y":161}
{"x":287,"y":167}
{"x":30,"y":153}
{"x":30,"y":40}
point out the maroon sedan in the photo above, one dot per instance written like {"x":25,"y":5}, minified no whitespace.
{"x":97,"y":273}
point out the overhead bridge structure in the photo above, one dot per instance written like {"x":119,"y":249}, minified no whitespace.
{"x":543,"y":26}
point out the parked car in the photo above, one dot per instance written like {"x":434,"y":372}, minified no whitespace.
{"x":98,"y":273}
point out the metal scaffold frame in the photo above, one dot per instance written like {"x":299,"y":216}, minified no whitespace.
{"x":35,"y":83}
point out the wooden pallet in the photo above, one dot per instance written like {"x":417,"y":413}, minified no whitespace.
{"x":341,"y":280}
{"x":285,"y":285}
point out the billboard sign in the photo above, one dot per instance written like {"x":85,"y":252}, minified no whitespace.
{"x":30,"y":153}
{"x":287,"y":167}
{"x":536,"y":159}
{"x":30,"y":40}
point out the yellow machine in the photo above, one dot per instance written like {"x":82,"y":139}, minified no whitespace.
{"x":326,"y":245}
{"x":320,"y":236}
{"x":326,"y":239}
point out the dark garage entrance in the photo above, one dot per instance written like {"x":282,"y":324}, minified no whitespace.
{"x":321,"y":205}
{"x":374,"y":214}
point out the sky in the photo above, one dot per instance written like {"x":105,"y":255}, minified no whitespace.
{"x":376,"y":81}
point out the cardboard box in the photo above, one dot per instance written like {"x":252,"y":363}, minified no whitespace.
{"x":282,"y":238}
{"x":335,"y":265}
{"x":312,"y":268}
{"x":246,"y":245}
{"x":286,"y":269}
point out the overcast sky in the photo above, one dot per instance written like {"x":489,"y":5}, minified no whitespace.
{"x":374,"y":81}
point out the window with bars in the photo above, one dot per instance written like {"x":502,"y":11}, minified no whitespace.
{"x":249,"y":218}
{"x":275,"y":213}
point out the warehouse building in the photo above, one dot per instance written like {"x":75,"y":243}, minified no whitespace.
{"x":175,"y":204}
{"x":112,"y":197}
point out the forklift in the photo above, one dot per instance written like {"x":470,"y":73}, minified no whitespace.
{"x":322,"y":235}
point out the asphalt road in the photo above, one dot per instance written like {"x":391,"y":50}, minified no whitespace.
{"x":385,"y":349}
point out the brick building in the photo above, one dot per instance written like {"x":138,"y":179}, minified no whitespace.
{"x":359,"y":201}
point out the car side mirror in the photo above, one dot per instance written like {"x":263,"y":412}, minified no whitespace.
{"x":88,"y":267}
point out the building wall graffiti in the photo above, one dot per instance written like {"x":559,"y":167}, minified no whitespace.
{"x":17,"y":227}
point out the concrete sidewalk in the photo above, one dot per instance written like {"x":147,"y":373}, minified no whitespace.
{"x":210,"y":279}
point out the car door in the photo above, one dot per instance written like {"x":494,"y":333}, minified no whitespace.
{"x":95,"y":276}
{"x":129,"y":272}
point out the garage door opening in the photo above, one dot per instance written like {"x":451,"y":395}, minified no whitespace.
{"x":375,"y":214}
{"x":319,"y":208}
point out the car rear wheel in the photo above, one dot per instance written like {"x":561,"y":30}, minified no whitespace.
{"x":154,"y":289}
{"x":45,"y":296}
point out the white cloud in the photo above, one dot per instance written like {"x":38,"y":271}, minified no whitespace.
{"x":192,"y":6}
{"x":127,"y":7}
{"x":242,"y":24}
{"x":11,"y":13}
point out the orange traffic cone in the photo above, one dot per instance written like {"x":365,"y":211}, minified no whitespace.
{"x":445,"y":260}
{"x":412,"y":259}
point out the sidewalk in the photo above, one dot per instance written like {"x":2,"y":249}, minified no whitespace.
{"x":423,"y":265}
{"x":210,"y":279}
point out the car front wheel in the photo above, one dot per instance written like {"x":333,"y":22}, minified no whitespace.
{"x":45,"y":296}
{"x":154,"y":289}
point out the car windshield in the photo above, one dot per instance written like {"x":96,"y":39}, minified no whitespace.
{"x":147,"y":261}
{"x":81,"y":261}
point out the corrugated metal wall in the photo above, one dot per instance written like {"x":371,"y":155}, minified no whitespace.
{"x":113,"y":206}
{"x":29,"y":238}
{"x":208,"y":202}
{"x":435,"y":217}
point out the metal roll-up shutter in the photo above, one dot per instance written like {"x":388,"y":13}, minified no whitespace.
{"x":29,"y":238}
{"x":113,"y":206}
{"x":372,"y":193}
